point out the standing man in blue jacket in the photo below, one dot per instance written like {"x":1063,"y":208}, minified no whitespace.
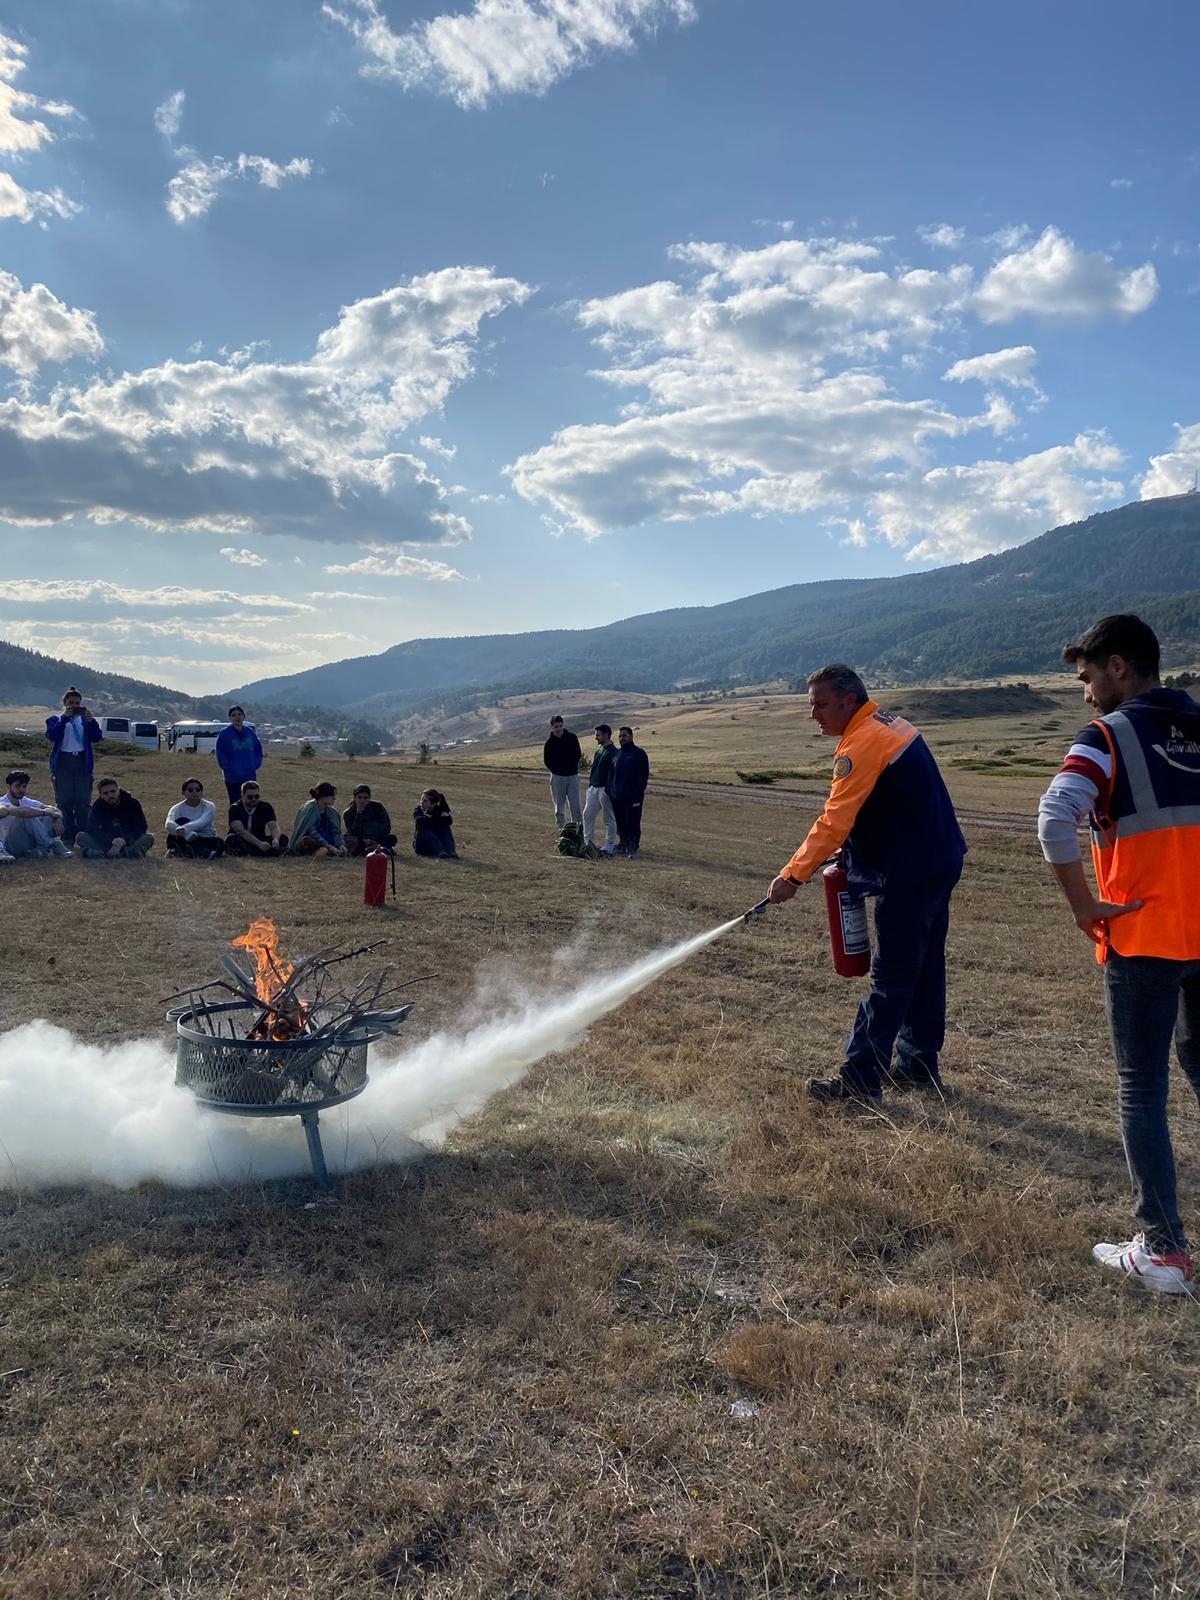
{"x":627,"y":789}
{"x":239,"y":754}
{"x":72,"y":736}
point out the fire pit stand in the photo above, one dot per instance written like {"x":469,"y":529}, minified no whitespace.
{"x":322,"y":1067}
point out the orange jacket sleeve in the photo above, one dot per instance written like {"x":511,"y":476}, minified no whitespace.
{"x":855,"y":773}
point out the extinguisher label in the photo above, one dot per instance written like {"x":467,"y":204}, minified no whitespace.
{"x":856,"y":937}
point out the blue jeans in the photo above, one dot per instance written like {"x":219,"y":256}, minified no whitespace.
{"x":1148,"y":1000}
{"x":905,"y":1008}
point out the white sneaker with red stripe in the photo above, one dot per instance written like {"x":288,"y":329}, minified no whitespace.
{"x":1166,"y":1273}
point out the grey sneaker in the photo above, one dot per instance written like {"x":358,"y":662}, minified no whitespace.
{"x":4,"y":856}
{"x":58,"y":848}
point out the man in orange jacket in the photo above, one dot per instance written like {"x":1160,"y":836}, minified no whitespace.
{"x":1136,"y":769}
{"x":890,"y":815}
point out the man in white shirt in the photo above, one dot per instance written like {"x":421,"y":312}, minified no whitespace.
{"x":27,"y":827}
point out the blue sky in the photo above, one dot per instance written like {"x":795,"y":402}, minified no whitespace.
{"x":324,"y":327}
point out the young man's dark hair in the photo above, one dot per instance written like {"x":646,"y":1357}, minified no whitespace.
{"x":603,"y":727}
{"x":232,"y":709}
{"x":1121,"y":634}
{"x":625,"y":728}
{"x":556,"y":722}
{"x":362,"y":788}
{"x":16,"y":777}
{"x":841,"y":679}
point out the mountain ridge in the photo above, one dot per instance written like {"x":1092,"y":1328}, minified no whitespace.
{"x":998,"y":614}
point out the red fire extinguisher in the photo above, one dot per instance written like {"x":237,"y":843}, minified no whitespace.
{"x":849,"y":936}
{"x":375,"y":877}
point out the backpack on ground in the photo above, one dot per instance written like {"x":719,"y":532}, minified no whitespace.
{"x":571,"y":842}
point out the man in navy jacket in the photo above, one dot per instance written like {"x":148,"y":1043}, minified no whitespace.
{"x":71,"y":737}
{"x":239,"y":754}
{"x":627,"y":788}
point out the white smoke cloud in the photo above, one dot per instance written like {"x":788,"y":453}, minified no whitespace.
{"x":111,"y":1113}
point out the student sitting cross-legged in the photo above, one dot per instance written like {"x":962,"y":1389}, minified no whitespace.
{"x":366,"y":823}
{"x":317,"y":830}
{"x":191,"y":824}
{"x":28,"y":827}
{"x":432,"y":834}
{"x":116,"y":826}
{"x":253,"y":826}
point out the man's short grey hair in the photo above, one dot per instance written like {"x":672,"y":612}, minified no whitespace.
{"x":842,"y":680}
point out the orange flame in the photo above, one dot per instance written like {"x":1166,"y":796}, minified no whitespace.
{"x":271,"y":972}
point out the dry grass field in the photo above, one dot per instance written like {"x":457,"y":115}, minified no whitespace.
{"x":509,"y":1371}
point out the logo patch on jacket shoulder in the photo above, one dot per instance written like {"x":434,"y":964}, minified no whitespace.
{"x":842,"y":766}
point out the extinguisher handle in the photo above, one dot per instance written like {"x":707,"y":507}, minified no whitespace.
{"x":757,"y":911}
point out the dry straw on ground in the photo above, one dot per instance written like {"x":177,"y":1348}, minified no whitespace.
{"x":509,"y":1372}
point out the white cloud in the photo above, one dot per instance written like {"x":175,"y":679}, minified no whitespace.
{"x":36,"y":327}
{"x":761,"y":384}
{"x":1013,"y":368}
{"x":957,"y":513}
{"x":742,"y":413}
{"x":242,"y":558}
{"x":501,"y":47}
{"x":96,"y":597}
{"x":29,"y":205}
{"x":350,"y":594}
{"x":169,"y":115}
{"x":195,"y":187}
{"x":301,"y":448}
{"x":1051,"y":278}
{"x":1120,"y":183}
{"x":434,"y":445}
{"x":1175,"y":471}
{"x":400,"y":566}
{"x":21,"y":129}
{"x":943,"y":236}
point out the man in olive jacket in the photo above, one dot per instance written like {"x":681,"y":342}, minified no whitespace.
{"x":598,"y":801}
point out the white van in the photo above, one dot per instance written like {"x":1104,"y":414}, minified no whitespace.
{"x":126,"y":730}
{"x":194,"y":738}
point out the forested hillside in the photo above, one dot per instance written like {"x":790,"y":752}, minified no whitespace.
{"x":1001,"y":614}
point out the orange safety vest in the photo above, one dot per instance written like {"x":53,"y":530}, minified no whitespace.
{"x":1150,"y":852}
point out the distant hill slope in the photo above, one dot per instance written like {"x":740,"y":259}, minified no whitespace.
{"x":1008,"y":613}
{"x":28,"y":678}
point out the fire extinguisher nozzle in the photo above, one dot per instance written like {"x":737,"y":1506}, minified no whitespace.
{"x":756,"y":911}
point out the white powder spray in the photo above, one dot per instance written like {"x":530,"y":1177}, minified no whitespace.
{"x":72,"y":1112}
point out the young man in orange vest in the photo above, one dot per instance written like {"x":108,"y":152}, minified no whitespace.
{"x":1136,"y":770}
{"x":889,"y":813}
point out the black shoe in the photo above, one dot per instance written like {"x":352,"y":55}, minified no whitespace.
{"x":930,"y":1082}
{"x":836,"y":1091}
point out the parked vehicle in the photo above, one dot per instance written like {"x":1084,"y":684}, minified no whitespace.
{"x":126,"y":730}
{"x":193,"y":738}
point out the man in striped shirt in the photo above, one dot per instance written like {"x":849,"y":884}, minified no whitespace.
{"x":1136,"y":770}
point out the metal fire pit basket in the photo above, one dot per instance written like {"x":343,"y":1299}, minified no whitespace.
{"x":269,"y":1078}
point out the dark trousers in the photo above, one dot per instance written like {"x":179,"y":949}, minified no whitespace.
{"x":905,"y":1008}
{"x":434,"y":840}
{"x":235,"y":845}
{"x":1148,"y":1000}
{"x":233,"y":788}
{"x":201,"y":846}
{"x":629,"y":823}
{"x":359,"y":846}
{"x":72,"y":793}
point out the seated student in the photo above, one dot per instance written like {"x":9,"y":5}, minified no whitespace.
{"x":28,"y":827}
{"x":191,"y":824}
{"x":432,"y":835}
{"x":116,"y":826}
{"x":367,"y":823}
{"x":317,"y":830}
{"x":253,"y":826}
